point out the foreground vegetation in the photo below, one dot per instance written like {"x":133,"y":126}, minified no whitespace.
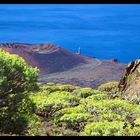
{"x":69,"y":110}
{"x":60,"y":110}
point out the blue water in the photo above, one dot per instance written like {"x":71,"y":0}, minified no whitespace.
{"x":100,"y":30}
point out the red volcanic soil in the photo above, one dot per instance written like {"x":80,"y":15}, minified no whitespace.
{"x":49,"y":58}
{"x":64,"y":67}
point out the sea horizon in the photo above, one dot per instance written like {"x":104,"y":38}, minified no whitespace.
{"x":104,"y":31}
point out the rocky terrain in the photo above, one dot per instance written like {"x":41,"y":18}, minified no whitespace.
{"x":88,"y":75}
{"x":59,"y":65}
{"x":129,"y":84}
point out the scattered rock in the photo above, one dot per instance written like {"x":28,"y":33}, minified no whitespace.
{"x":114,"y":60}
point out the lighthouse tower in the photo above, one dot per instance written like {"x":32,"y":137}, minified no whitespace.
{"x":79,"y":51}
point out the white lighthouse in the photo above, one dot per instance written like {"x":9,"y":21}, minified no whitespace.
{"x":79,"y":51}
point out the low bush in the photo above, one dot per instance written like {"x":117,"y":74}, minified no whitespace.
{"x":103,"y":128}
{"x":109,"y":87}
{"x":85,"y":92}
{"x":75,"y":121}
{"x":47,"y":105}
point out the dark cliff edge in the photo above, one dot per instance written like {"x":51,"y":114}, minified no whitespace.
{"x":129,"y":84}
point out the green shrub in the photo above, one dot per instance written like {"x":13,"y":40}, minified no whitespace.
{"x":34,"y":126}
{"x":67,"y":87}
{"x":109,"y":87}
{"x":47,"y":105}
{"x":110,"y":109}
{"x":97,"y":97}
{"x":62,"y":112}
{"x":137,"y":122}
{"x":85,"y":92}
{"x":72,"y":111}
{"x":17,"y":79}
{"x":50,"y":84}
{"x":75,"y":117}
{"x":110,"y":115}
{"x":53,"y":88}
{"x":103,"y":128}
{"x":75,"y":121}
{"x":49,"y":89}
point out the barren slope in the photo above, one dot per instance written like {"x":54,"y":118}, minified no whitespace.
{"x":59,"y":65}
{"x":92,"y":74}
{"x":48,"y":57}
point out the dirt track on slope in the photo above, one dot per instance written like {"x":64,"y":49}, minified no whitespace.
{"x":92,"y":74}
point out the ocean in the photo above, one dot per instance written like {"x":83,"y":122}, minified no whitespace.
{"x":104,"y":31}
